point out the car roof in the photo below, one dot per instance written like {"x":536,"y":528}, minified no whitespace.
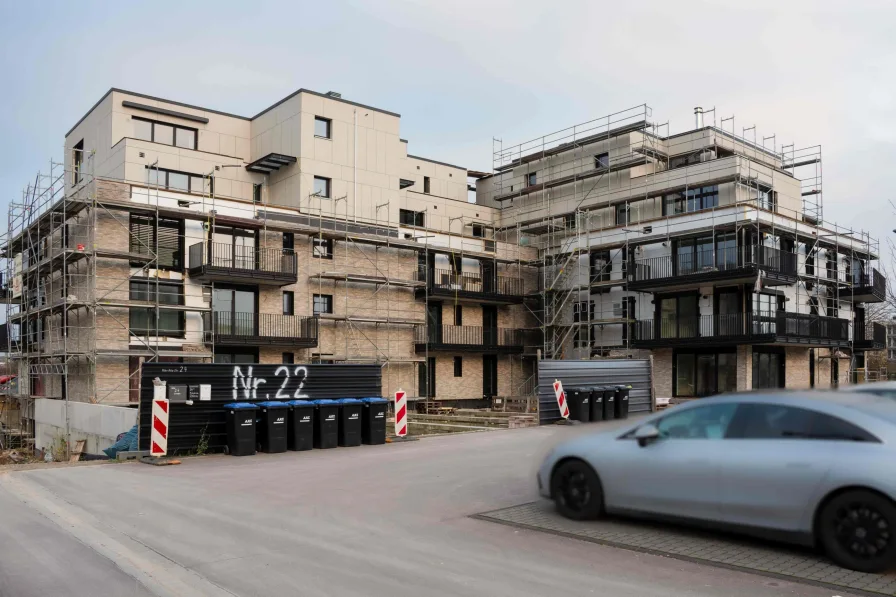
{"x":871,"y":387}
{"x":831,"y":402}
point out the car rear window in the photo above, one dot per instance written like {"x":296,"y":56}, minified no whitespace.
{"x":777,"y":421}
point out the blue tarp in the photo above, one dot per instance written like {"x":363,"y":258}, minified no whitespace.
{"x":126,"y":443}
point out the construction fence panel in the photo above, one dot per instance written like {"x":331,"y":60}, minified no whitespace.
{"x":605,"y":372}
{"x":200,"y":426}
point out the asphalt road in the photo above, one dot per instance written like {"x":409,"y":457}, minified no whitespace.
{"x":376,"y":521}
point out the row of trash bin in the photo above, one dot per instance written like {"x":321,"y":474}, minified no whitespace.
{"x":277,"y":426}
{"x":598,"y":403}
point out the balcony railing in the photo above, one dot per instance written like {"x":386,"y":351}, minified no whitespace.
{"x":469,"y":337}
{"x":742,"y":327}
{"x":866,"y":286}
{"x":718,"y":263}
{"x":224,"y":261}
{"x":872,"y":337}
{"x":255,"y":329}
{"x":474,"y":285}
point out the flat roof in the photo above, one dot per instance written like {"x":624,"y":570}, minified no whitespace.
{"x":176,"y":103}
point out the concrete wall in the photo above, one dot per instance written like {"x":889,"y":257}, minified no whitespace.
{"x":96,"y":423}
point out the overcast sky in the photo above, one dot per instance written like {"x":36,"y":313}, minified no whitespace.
{"x":462,"y":72}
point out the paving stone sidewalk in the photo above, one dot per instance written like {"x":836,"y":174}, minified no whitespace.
{"x":711,"y":548}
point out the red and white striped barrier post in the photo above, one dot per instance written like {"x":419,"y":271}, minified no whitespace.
{"x":158,"y":436}
{"x":401,"y":413}
{"x":561,"y":399}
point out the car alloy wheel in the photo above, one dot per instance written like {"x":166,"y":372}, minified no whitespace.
{"x":857,"y":530}
{"x":576,"y":490}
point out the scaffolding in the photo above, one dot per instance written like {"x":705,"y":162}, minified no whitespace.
{"x":592,"y":196}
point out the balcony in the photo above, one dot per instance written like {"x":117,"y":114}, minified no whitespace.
{"x":467,"y":338}
{"x":223,"y":262}
{"x":872,"y":337}
{"x":866,"y":287}
{"x":741,"y":328}
{"x":734,"y":265}
{"x":262,"y":329}
{"x":496,"y":290}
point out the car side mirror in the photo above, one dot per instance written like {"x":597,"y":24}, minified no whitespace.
{"x":646,"y":434}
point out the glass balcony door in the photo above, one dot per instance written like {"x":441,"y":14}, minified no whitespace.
{"x":233,"y":248}
{"x":235,"y":312}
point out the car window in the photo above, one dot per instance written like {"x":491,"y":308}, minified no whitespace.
{"x":776,"y":421}
{"x":701,"y":422}
{"x":891,"y":394}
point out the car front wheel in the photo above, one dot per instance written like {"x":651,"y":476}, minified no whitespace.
{"x":576,"y":490}
{"x":857,"y":529}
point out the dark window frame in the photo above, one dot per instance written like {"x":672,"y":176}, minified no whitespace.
{"x":289,"y":302}
{"x":177,"y":264}
{"x":409,"y":217}
{"x":289,"y":241}
{"x":458,"y":366}
{"x":458,"y":315}
{"x":757,"y":366}
{"x":77,"y":162}
{"x":288,"y":358}
{"x":329,"y":187}
{"x":329,"y":124}
{"x":321,"y":248}
{"x":325,"y":300}
{"x":626,"y":210}
{"x":150,"y":290}
{"x":257,"y":188}
{"x":602,"y":161}
{"x":427,"y":185}
{"x":163,"y":175}
{"x":152,"y":130}
{"x":532,"y":178}
{"x":696,"y":352}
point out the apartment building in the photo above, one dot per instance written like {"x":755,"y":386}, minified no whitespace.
{"x":703,"y":249}
{"x":306,"y":233}
{"x":891,"y":340}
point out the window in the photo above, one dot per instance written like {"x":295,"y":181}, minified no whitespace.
{"x":533,"y":178}
{"x":478,"y":231}
{"x":426,"y":184}
{"x":77,"y":161}
{"x":701,"y":422}
{"x":690,"y":200}
{"x":702,"y":155}
{"x":167,"y":134}
{"x":178,"y":181}
{"x":322,"y":127}
{"x":704,"y":372}
{"x":458,"y":315}
{"x":458,"y":367}
{"x":810,"y":263}
{"x":323,"y":303}
{"x":289,"y":302}
{"x":404,"y":183}
{"x":831,"y":309}
{"x":678,"y":316}
{"x":169,"y":235}
{"x":322,"y":248}
{"x":322,"y":187}
{"x":288,"y":358}
{"x":768,"y":369}
{"x":143,"y":321}
{"x":775,"y":421}
{"x":256,"y":192}
{"x":767,"y":198}
{"x":602,"y":160}
{"x":622,"y":214}
{"x":289,"y":241}
{"x":407,"y":217}
{"x":601,"y":266}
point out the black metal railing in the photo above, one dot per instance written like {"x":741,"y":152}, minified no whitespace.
{"x":873,"y":279}
{"x":747,"y":326}
{"x":263,"y":325}
{"x":228,"y":256}
{"x":719,"y":260}
{"x":450,"y":281}
{"x":873,"y":334}
{"x":468,"y":335}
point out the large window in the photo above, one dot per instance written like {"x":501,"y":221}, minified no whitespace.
{"x":704,"y":372}
{"x":623,"y":214}
{"x":678,"y":316}
{"x":601,"y":161}
{"x":765,"y":310}
{"x":143,"y":321}
{"x":289,"y":302}
{"x":77,"y":162}
{"x":768,"y":369}
{"x":168,"y":234}
{"x":532,"y":178}
{"x":321,"y":248}
{"x":165,"y":133}
{"x":601,"y":266}
{"x":322,"y":187}
{"x":690,"y":200}
{"x":322,"y":127}
{"x":178,"y":181}
{"x":407,"y":217}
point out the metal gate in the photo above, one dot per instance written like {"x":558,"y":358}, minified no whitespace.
{"x":606,"y":372}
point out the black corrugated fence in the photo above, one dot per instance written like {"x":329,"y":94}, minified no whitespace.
{"x":599,"y":372}
{"x":189,"y":423}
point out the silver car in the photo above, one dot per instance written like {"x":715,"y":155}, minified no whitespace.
{"x":815,"y":468}
{"x":886,"y":389}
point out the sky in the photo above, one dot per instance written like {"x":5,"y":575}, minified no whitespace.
{"x":464,"y":72}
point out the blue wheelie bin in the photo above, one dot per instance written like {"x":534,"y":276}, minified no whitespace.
{"x":272,"y":426}
{"x":349,"y":422}
{"x":240,"y":428}
{"x":326,"y":423}
{"x":301,"y":425}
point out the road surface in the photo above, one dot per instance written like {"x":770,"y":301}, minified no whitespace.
{"x":389,"y":520}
